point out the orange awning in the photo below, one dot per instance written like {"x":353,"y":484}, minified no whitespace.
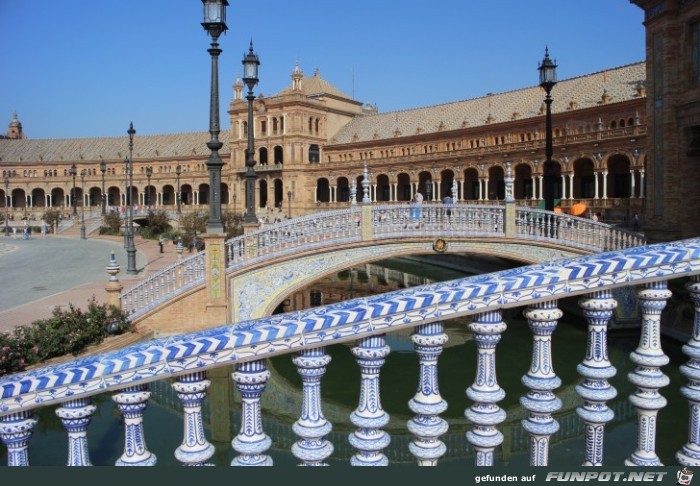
{"x":578,"y":209}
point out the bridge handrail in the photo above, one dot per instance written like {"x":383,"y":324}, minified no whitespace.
{"x":357,"y":318}
{"x":539,"y":224}
{"x":171,"y":281}
{"x":310,"y":231}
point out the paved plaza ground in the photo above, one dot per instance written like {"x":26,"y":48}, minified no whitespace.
{"x":41,"y":273}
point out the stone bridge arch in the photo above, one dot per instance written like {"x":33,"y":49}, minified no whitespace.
{"x":258,"y":291}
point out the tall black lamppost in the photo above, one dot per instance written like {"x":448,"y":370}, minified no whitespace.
{"x":178,"y":196}
{"x":548,"y":78}
{"x":126,"y":201}
{"x":6,"y":180}
{"x":149,"y":173}
{"x":82,"y":212}
{"x":130,"y":248}
{"x":103,"y":169}
{"x":215,"y":24}
{"x":73,"y":171}
{"x":250,"y":78}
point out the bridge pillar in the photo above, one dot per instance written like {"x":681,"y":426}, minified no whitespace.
{"x":114,"y":287}
{"x":366,"y":222}
{"x":215,"y":269}
{"x":510,"y":220}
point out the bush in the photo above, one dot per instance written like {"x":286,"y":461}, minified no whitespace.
{"x":112,"y":224}
{"x":65,"y":332}
{"x":157,"y":224}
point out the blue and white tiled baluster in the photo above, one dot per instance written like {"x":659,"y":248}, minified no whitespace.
{"x":540,"y":401}
{"x":596,"y":369}
{"x":689,"y":455}
{"x":648,"y":377}
{"x":76,"y":415}
{"x":132,"y":403}
{"x":369,"y":417}
{"x":15,"y":431}
{"x":427,"y":426}
{"x":195,"y":450}
{"x":485,"y":392}
{"x":312,"y":448}
{"x":252,"y":442}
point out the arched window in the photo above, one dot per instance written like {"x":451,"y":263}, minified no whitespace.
{"x":613,"y":124}
{"x":314,"y":154}
{"x":262,"y":156}
{"x":317,"y":125}
{"x":279,"y":155}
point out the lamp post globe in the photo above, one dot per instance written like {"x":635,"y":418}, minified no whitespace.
{"x":251,"y":62}
{"x":103,"y":197}
{"x":215,"y":24}
{"x":548,"y":78}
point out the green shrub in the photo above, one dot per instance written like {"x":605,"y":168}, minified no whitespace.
{"x":112,"y":224}
{"x":65,"y":332}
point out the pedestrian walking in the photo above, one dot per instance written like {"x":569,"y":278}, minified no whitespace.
{"x":635,"y":222}
{"x":160,"y":243}
{"x":44,"y":229}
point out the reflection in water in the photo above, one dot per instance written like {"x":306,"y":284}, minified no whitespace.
{"x":282,"y":400}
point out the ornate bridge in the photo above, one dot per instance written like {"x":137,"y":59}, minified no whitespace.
{"x":304,"y":335}
{"x":264,"y":266}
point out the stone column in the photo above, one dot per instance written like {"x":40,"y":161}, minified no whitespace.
{"x":369,"y":417}
{"x":596,"y":176}
{"x":251,"y":442}
{"x":312,"y":448}
{"x":641,"y":184}
{"x":647,"y":377}
{"x":563,"y":186}
{"x":427,"y":426}
{"x":132,"y":402}
{"x":76,"y":415}
{"x":605,"y":184}
{"x":195,"y":450}
{"x":15,"y":431}
{"x":689,"y":455}
{"x":484,"y":413}
{"x":571,"y":186}
{"x":540,"y":401}
{"x":596,"y":369}
{"x":633,"y":192}
{"x":541,"y":187}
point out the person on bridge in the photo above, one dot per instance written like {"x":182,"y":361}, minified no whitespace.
{"x":415,"y":209}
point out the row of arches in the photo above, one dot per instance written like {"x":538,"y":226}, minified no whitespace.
{"x":619,"y":179}
{"x":115,"y":196}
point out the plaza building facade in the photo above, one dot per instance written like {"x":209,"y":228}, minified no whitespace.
{"x":314,"y":145}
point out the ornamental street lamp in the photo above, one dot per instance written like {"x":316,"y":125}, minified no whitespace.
{"x":126,"y":195}
{"x":215,"y":24}
{"x":149,"y":173}
{"x":73,"y":171}
{"x":178,"y":196}
{"x":548,"y":78}
{"x":82,"y":212}
{"x":130,"y":248}
{"x":103,"y":169}
{"x":250,"y":78}
{"x":7,"y":205}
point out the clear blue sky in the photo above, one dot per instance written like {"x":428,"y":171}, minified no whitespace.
{"x":86,"y":68}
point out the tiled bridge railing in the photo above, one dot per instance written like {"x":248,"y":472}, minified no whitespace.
{"x":366,"y":321}
{"x":345,"y":226}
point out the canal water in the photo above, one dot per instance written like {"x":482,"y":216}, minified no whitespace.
{"x":340,"y":388}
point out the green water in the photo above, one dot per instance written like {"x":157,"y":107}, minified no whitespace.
{"x":340,"y":392}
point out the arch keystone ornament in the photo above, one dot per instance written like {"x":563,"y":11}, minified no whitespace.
{"x":440,"y":245}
